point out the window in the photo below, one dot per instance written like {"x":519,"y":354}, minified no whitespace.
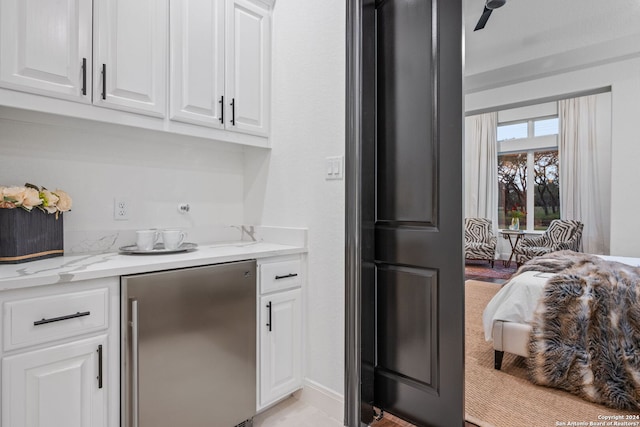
{"x":528,"y":178}
{"x":528,"y":129}
{"x":545,"y":127}
{"x":512,"y":131}
{"x":512,"y":187}
{"x":547,"y":188}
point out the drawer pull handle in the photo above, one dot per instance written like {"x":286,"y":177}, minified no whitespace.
{"x":286,"y":276}
{"x":58,"y":319}
{"x":99,"y":366}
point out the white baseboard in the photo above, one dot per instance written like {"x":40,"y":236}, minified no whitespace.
{"x":328,"y":401}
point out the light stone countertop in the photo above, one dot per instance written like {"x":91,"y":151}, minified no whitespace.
{"x":71,"y":268}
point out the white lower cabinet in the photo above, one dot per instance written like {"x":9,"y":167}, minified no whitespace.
{"x":56,"y":386}
{"x":60,"y":348}
{"x":59,"y":355}
{"x":280,"y":334}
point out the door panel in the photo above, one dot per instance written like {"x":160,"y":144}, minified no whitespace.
{"x":197,"y":61}
{"x":419,"y":290}
{"x":131,"y":47}
{"x":247,"y":92}
{"x":55,"y":386}
{"x":43,"y":44}
{"x":280,"y":344}
{"x":405,"y":113}
{"x":407,"y":344}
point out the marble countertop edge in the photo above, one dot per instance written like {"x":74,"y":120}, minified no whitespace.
{"x":77,"y":267}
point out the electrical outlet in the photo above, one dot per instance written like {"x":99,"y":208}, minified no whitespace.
{"x":120,"y":209}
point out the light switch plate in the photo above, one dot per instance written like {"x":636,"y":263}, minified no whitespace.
{"x":334,"y":167}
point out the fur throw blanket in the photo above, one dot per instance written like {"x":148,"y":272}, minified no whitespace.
{"x":586,"y":329}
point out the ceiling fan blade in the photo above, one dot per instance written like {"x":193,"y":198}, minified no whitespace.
{"x":486,"y":13}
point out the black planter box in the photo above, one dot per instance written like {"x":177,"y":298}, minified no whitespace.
{"x":28,"y":236}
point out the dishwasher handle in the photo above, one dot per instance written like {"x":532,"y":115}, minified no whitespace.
{"x":134,"y":363}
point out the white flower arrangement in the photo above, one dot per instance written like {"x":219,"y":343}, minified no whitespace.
{"x":30,"y":196}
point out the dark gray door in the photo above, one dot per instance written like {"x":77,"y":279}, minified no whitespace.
{"x":411,"y":253}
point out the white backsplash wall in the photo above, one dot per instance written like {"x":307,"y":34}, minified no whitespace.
{"x":287,"y":187}
{"x":153,"y":171}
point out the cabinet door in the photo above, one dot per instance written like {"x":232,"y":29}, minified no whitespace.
{"x":130,"y":64}
{"x":197,"y":61}
{"x":44,"y":45}
{"x":280,"y":345}
{"x":248,"y":67}
{"x":55,"y":386}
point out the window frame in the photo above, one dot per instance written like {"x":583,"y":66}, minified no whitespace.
{"x":529,"y":145}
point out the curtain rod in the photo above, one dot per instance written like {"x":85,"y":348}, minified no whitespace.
{"x":528,"y":103}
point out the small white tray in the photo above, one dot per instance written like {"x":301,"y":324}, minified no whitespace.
{"x":157,"y":249}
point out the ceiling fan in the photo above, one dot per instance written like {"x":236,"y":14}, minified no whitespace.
{"x":486,"y":13}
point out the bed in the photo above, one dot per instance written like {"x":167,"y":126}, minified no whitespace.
{"x":508,"y":319}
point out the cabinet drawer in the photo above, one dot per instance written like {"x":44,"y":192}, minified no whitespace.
{"x":36,"y":320}
{"x":277,"y":276}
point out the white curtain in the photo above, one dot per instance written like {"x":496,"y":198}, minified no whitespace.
{"x":481,"y":167}
{"x":578,"y":152}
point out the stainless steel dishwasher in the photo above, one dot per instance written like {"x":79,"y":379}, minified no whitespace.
{"x":189,"y":347}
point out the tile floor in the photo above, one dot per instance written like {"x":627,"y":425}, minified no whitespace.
{"x":294,"y":413}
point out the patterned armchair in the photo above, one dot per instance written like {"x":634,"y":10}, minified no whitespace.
{"x":479,"y":241}
{"x":562,"y":234}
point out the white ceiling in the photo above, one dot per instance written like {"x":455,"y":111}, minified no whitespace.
{"x":525,"y":30}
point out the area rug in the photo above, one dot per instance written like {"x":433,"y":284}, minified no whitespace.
{"x":506,"y":398}
{"x":481,"y":269}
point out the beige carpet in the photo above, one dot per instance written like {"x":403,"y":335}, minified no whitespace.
{"x":506,"y":398}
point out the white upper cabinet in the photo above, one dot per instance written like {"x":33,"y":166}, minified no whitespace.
{"x":191,"y":67}
{"x":197,"y":62}
{"x":220,"y":64}
{"x":131,"y":58}
{"x":45,"y":47}
{"x":248,"y":67}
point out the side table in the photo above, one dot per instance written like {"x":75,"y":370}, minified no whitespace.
{"x":506,"y":234}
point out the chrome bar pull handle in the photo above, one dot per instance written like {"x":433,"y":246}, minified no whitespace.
{"x":99,"y":366}
{"x":269,"y":316}
{"x":134,"y":360}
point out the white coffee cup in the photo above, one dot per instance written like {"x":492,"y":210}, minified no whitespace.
{"x":173,"y":238}
{"x":146,"y":239}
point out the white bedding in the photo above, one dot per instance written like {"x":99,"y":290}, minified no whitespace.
{"x":518,"y":298}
